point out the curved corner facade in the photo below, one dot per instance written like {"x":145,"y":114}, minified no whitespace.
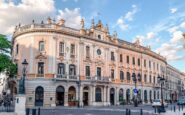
{"x":88,"y":66}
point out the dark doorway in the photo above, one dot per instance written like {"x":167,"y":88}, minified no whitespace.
{"x":112,"y":96}
{"x":39,"y":96}
{"x":60,"y":96}
{"x":85,"y":98}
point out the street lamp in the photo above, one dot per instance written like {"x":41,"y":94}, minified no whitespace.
{"x":22,"y":80}
{"x":135,"y":90}
{"x":161,"y":80}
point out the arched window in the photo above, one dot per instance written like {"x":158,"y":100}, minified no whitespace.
{"x":150,"y":95}
{"x":39,"y":96}
{"x":121,"y":75}
{"x":128,"y":76}
{"x":98,"y":94}
{"x":99,"y":37}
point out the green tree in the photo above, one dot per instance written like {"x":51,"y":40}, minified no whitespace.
{"x":6,"y":64}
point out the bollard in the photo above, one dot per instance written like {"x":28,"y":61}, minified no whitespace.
{"x":27,"y":111}
{"x":33,"y":111}
{"x":129,"y":113}
{"x":174,"y":108}
{"x":39,"y":111}
{"x":141,"y":111}
{"x":126,"y":111}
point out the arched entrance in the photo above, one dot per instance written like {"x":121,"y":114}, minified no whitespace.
{"x":72,"y":96}
{"x":60,"y":96}
{"x":145,"y":96}
{"x":128,"y":95}
{"x":121,"y":98}
{"x":86,"y":96}
{"x":139,"y":96}
{"x":154,"y":94}
{"x":150,"y":96}
{"x":112,"y":93}
{"x":39,"y":96}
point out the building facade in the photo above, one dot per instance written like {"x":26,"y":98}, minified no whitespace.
{"x":88,"y":66}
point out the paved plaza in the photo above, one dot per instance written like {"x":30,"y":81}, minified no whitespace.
{"x":112,"y":110}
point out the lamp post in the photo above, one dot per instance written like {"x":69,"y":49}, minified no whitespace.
{"x":22,"y":80}
{"x":161,"y":80}
{"x":135,"y":90}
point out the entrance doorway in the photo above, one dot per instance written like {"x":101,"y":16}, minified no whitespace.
{"x":112,"y":92}
{"x":86,"y":96}
{"x":39,"y":96}
{"x":60,"y":96}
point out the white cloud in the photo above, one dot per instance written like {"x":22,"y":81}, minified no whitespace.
{"x":177,"y":37}
{"x":68,"y":0}
{"x":170,"y":50}
{"x":24,"y":12}
{"x":72,"y":17}
{"x":142,"y":39}
{"x":121,"y":22}
{"x":173,"y":10}
{"x":150,"y":35}
{"x":129,"y":15}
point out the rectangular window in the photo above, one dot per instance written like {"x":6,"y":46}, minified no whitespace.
{"x":112,"y":56}
{"x":133,"y":60}
{"x":144,"y":63}
{"x":121,"y":75}
{"x":149,"y":64}
{"x":138,"y":62}
{"x":87,"y":71}
{"x":127,"y":59}
{"x":61,"y":69}
{"x":17,"y":48}
{"x":98,"y":71}
{"x":87,"y":52}
{"x":72,"y":70}
{"x":112,"y":73}
{"x":40,"y":67}
{"x":150,"y":79}
{"x":121,"y":58}
{"x":154,"y":79}
{"x":72,"y":49}
{"x":145,"y":78}
{"x":61,"y":49}
{"x":41,"y":46}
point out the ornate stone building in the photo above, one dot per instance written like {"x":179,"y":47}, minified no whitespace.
{"x":86,"y":65}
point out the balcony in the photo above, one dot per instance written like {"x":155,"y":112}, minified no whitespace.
{"x":100,"y":79}
{"x":66,"y":77}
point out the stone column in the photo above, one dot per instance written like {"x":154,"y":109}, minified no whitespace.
{"x":66,"y":97}
{"x":108,"y":96}
{"x":81,"y":96}
{"x":90,"y":95}
{"x":116,"y":96}
{"x":93,"y":94}
{"x":104,"y":95}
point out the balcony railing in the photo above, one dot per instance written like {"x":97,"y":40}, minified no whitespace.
{"x":66,"y":77}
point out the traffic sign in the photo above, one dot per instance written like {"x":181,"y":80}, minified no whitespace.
{"x":135,"y":90}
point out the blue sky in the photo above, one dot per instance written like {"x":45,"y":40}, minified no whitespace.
{"x":158,"y":23}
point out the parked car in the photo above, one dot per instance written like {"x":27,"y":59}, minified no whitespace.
{"x":158,"y":102}
{"x":181,"y":102}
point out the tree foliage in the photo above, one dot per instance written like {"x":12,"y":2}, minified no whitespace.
{"x":6,"y":64}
